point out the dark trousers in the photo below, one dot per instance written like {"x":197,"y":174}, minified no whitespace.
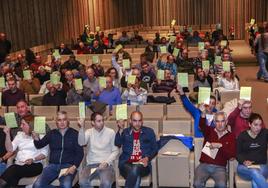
{"x":133,"y":174}
{"x":14,"y":173}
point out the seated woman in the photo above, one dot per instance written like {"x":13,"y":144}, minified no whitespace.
{"x":252,"y":153}
{"x":28,"y":161}
{"x":134,"y":94}
{"x":228,"y":81}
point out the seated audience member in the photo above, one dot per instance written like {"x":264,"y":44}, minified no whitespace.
{"x":124,"y":39}
{"x":54,"y":97}
{"x":75,"y":96}
{"x":31,"y":85}
{"x":29,"y":56}
{"x":163,"y":42}
{"x":91,"y":82}
{"x":64,"y":50}
{"x":139,"y":147}
{"x":42,"y":75}
{"x":110,"y":41}
{"x":98,"y":69}
{"x":37,"y":63}
{"x":104,"y":41}
{"x":134,"y":72}
{"x":117,"y":61}
{"x":149,"y":52}
{"x":184,"y":64}
{"x":168,"y":65}
{"x":101,"y":152}
{"x":53,"y":64}
{"x":81,"y":72}
{"x":65,"y":153}
{"x":211,"y":51}
{"x":3,"y":153}
{"x":28,"y":161}
{"x":70,"y":64}
{"x":82,"y":49}
{"x":196,"y":113}
{"x":20,"y":65}
{"x":202,"y":56}
{"x":157,"y":39}
{"x":238,"y":119}
{"x":68,"y":81}
{"x":252,"y":151}
{"x":44,"y":90}
{"x":202,"y":79}
{"x":136,"y":38}
{"x":110,"y":95}
{"x":215,"y":138}
{"x":228,"y":81}
{"x":97,"y":48}
{"x":134,"y":94}
{"x":195,"y":38}
{"x":147,"y":74}
{"x":8,"y":63}
{"x":112,"y":72}
{"x":12,"y":95}
{"x":166,"y":85}
{"x":218,"y":68}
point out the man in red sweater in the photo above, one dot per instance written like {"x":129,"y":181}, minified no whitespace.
{"x":219,"y":147}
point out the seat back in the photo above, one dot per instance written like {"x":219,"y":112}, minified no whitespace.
{"x":73,"y":111}
{"x":229,"y":95}
{"x":152,"y":111}
{"x":177,"y":127}
{"x":112,"y":116}
{"x":50,"y":112}
{"x":175,"y":111}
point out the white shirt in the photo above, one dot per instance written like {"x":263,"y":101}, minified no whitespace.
{"x":139,"y":98}
{"x":100,"y":145}
{"x":26,"y":149}
{"x":228,"y":85}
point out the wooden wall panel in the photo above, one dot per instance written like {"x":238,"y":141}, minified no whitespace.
{"x":29,"y":23}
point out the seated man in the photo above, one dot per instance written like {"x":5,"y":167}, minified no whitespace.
{"x":167,"y":65}
{"x":101,"y":152}
{"x":65,"y":153}
{"x":64,"y":50}
{"x":91,"y":82}
{"x":96,"y":48}
{"x":138,"y":148}
{"x":54,"y":97}
{"x":70,"y":64}
{"x":216,"y":140}
{"x":11,"y":96}
{"x":166,"y":85}
{"x":30,"y":85}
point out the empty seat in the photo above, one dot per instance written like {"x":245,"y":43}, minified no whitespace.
{"x":50,"y":112}
{"x":152,"y":111}
{"x":73,"y":111}
{"x":177,"y":127}
{"x":177,"y":112}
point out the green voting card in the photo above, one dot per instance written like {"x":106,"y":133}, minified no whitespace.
{"x":190,"y":29}
{"x":102,"y":82}
{"x":121,"y":111}
{"x":0,"y":98}
{"x":217,"y":60}
{"x":10,"y":119}
{"x":226,"y":66}
{"x":40,"y":125}
{"x":131,"y":79}
{"x":160,"y":74}
{"x":2,"y":82}
{"x":176,"y":52}
{"x":82,"y":110}
{"x":95,"y":59}
{"x":126,"y":63}
{"x":224,"y":43}
{"x":245,"y":93}
{"x":54,"y":78}
{"x":173,"y":22}
{"x":183,"y":79}
{"x":163,"y":49}
{"x":181,"y":29}
{"x":172,"y":38}
{"x":205,"y":65}
{"x":118,"y":47}
{"x":204,"y":95}
{"x":252,"y":21}
{"x":201,"y":46}
{"x":78,"y":84}
{"x":56,"y":53}
{"x":27,"y":75}
{"x":97,"y":28}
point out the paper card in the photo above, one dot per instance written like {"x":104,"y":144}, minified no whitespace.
{"x":56,"y":53}
{"x":126,"y":63}
{"x":63,"y":171}
{"x":173,"y":22}
{"x":212,"y":153}
{"x":163,"y":49}
{"x":255,"y":166}
{"x":82,"y":110}
{"x":160,"y":74}
{"x":121,"y":111}
{"x":92,"y":170}
{"x":205,"y":65}
{"x":224,"y":43}
{"x":27,"y":75}
{"x":217,"y":60}
{"x":40,"y":125}
{"x":190,"y":29}
{"x":102,"y":82}
{"x":252,"y":21}
{"x":10,"y":119}
{"x":176,"y":52}
{"x":177,"y":135}
{"x":2,"y":82}
{"x":226,"y":66}
{"x":54,"y":78}
{"x":201,"y":46}
{"x":0,"y":98}
{"x":95,"y":59}
{"x":171,"y":153}
{"x":118,"y":47}
{"x":138,"y":163}
{"x":245,"y":93}
{"x":97,"y":28}
{"x":209,"y":118}
{"x":172,"y":38}
{"x":204,"y":95}
{"x":182,"y":79}
{"x":131,"y":79}
{"x":78,"y":84}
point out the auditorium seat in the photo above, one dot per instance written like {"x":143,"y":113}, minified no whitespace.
{"x":152,"y":111}
{"x":49,"y":112}
{"x":73,"y":111}
{"x":176,"y":112}
{"x":177,"y":127}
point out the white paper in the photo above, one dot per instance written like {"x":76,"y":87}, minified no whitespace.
{"x":63,"y":171}
{"x":209,"y":118}
{"x":212,"y":153}
{"x":141,"y":163}
{"x":254,"y":166}
{"x":92,"y":170}
{"x":171,"y":153}
{"x":181,"y":135}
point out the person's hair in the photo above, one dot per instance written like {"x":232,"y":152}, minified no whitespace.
{"x":212,"y":97}
{"x":253,"y":117}
{"x":136,"y":112}
{"x":144,"y":63}
{"x":94,"y":115}
{"x":22,"y":100}
{"x":220,"y":113}
{"x":196,"y":73}
{"x":109,"y":71}
{"x":62,"y":113}
{"x":232,"y":74}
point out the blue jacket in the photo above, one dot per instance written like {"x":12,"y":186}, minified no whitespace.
{"x":63,"y":149}
{"x":164,"y":65}
{"x":148,"y":144}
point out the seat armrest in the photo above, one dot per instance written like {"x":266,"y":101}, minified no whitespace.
{"x":191,"y":169}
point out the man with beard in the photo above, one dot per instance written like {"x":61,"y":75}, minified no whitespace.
{"x":11,"y":96}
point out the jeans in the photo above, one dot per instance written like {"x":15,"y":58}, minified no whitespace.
{"x":106,"y":176}
{"x":256,"y":176}
{"x":205,"y":171}
{"x":133,"y":174}
{"x":50,"y":173}
{"x":262,"y":59}
{"x":3,"y":167}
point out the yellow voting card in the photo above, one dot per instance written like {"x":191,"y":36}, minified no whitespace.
{"x":245,"y":93}
{"x":27,"y":75}
{"x":40,"y":125}
{"x":205,"y":65}
{"x":121,"y":111}
{"x":182,"y":79}
{"x":204,"y":95}
{"x":226,"y":66}
{"x":126,"y":63}
{"x":10,"y":119}
{"x":176,"y":52}
{"x":131,"y":79}
{"x":102,"y":82}
{"x":160,"y":74}
{"x":82,"y":110}
{"x":78,"y":84}
{"x":201,"y":46}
